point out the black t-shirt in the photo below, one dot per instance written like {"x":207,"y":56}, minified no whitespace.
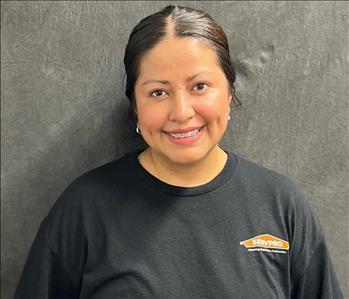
{"x":119,"y":232}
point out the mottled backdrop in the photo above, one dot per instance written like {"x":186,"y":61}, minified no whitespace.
{"x":64,"y":109}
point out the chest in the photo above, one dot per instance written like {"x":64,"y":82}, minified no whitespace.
{"x":195,"y":252}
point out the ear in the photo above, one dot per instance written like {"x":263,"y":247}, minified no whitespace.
{"x":230,"y":94}
{"x":230,"y":101}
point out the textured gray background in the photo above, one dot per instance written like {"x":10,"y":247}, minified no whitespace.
{"x":64,"y":110}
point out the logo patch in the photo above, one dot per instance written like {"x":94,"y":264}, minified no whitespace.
{"x":267,"y":243}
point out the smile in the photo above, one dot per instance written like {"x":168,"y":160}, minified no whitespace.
{"x":187,"y":134}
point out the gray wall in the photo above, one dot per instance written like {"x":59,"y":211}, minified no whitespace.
{"x":64,"y":110}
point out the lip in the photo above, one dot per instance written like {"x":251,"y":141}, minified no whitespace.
{"x":181,"y":131}
{"x":186,"y":141}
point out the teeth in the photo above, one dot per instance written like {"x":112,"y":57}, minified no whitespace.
{"x":184,"y":135}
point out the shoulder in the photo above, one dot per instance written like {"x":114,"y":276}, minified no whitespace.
{"x":94,"y":189}
{"x":109,"y":176}
{"x":271,"y":189}
{"x":86,"y":199}
{"x":265,"y":179}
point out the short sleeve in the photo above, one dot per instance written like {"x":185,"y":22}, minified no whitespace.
{"x":43,"y":275}
{"x":319,"y":280}
{"x":57,"y":256}
{"x":312,"y":272}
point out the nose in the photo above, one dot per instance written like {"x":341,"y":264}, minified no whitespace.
{"x":181,"y":109}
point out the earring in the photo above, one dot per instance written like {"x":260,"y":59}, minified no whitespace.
{"x":138,"y":130}
{"x":228,"y":117}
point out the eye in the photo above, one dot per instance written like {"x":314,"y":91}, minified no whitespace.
{"x":200,"y":86}
{"x":157,"y":93}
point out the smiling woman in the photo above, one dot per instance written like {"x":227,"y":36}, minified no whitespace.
{"x":182,"y":218}
{"x":181,"y":92}
{"x":186,"y":114}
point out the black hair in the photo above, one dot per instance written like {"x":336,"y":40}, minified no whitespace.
{"x":187,"y":22}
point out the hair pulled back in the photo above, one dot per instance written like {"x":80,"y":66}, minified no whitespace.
{"x":188,"y":22}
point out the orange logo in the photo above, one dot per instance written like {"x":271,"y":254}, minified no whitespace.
{"x":265,"y":241}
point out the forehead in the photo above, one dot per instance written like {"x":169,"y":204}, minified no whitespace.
{"x":174,"y":55}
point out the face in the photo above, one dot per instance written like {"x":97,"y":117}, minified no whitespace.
{"x":182,"y":100}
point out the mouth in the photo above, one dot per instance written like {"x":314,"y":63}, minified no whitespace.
{"x":184,"y":133}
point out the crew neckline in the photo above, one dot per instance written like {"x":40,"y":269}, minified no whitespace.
{"x":154,"y":183}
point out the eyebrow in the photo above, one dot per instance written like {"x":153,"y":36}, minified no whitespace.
{"x":168,"y":82}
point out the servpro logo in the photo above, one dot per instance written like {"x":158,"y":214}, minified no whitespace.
{"x":267,"y":243}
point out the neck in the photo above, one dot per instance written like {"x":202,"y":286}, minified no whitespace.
{"x":184,"y":175}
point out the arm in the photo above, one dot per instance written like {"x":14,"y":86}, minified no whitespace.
{"x":44,"y":275}
{"x":312,"y":272}
{"x":57,"y":257}
{"x":319,"y":279}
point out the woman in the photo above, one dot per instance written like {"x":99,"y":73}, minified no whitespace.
{"x":182,"y":218}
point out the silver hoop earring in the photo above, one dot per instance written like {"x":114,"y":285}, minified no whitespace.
{"x":138,"y":130}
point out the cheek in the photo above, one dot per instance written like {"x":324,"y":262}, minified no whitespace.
{"x":151,"y":118}
{"x":214,"y":109}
